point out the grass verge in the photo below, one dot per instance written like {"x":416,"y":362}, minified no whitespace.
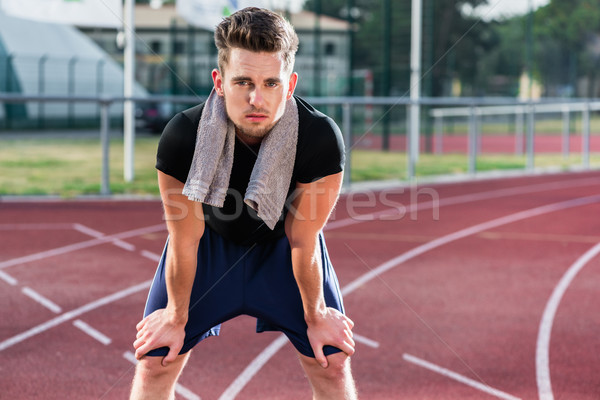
{"x":72,"y":167}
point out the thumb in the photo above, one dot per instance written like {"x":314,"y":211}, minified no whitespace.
{"x":170,"y":357}
{"x":320,"y":357}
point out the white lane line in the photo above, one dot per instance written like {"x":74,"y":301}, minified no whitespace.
{"x":124,"y":245}
{"x":150,"y":255}
{"x":179,"y":389}
{"x":457,"y":377}
{"x":252,"y":369}
{"x":86,"y":230}
{"x":255,"y":365}
{"x":97,"y":234}
{"x":8,"y":279}
{"x":50,"y":305}
{"x":5,"y":344}
{"x":99,"y":336}
{"x":467,"y":198}
{"x":508,"y":219}
{"x":366,"y":341}
{"x":81,"y":245}
{"x":542,"y":354}
{"x":35,"y":227}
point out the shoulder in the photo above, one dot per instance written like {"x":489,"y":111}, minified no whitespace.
{"x":177,"y":142}
{"x":315,"y":127}
{"x":320,"y":151}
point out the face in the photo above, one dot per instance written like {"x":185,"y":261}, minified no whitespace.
{"x":255,"y":87}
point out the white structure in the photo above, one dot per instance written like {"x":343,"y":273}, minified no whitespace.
{"x":175,"y":58}
{"x":38,"y":58}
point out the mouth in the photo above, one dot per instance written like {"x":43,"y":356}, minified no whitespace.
{"x":255,"y":117}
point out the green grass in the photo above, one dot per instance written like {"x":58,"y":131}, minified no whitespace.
{"x":72,"y":167}
{"x":377,"y":165}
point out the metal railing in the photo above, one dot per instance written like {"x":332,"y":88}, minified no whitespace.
{"x":520,"y":110}
{"x":470,"y":108}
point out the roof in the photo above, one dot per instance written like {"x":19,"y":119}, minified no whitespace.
{"x":148,"y":18}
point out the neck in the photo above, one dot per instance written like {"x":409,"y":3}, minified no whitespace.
{"x":248,"y":139}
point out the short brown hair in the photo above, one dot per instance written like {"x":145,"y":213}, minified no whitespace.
{"x":258,"y":30}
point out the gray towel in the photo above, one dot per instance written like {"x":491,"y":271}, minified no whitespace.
{"x":209,"y":174}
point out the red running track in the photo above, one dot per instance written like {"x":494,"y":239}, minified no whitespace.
{"x":484,"y":289}
{"x":489,"y":143}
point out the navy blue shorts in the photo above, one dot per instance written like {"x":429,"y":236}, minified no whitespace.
{"x":256,"y":280}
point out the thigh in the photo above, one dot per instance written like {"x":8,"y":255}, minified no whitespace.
{"x":274,"y":298}
{"x":216,"y":293}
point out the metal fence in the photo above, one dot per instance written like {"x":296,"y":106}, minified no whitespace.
{"x":363,"y":118}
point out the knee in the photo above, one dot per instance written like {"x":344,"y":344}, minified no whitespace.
{"x":151,"y":368}
{"x":338,"y":368}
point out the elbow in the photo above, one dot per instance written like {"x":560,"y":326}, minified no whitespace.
{"x":300,"y":238}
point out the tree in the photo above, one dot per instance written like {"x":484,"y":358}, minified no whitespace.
{"x":451,"y":41}
{"x":564,"y":34}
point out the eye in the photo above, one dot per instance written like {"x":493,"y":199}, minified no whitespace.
{"x":272,"y":84}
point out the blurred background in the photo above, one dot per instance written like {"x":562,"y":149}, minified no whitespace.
{"x":503,"y":85}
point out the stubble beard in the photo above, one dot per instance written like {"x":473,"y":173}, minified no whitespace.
{"x":253,"y":134}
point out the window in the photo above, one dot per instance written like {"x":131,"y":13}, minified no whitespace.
{"x":179,"y":47}
{"x":329,"y":49}
{"x":156,"y":46}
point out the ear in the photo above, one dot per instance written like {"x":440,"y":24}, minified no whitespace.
{"x":218,"y":81}
{"x":292,"y":85}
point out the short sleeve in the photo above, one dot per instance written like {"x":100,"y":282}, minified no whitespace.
{"x":176,"y":147}
{"x":320,"y":150}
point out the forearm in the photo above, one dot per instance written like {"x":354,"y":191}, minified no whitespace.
{"x":306,"y":263}
{"x":180,"y":273}
{"x":185,"y":223}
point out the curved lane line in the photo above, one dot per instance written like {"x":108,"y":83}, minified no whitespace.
{"x":461,"y":199}
{"x":542,"y":355}
{"x":252,"y":369}
{"x":81,"y":245}
{"x":5,"y":344}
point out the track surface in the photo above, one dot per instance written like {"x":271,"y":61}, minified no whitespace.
{"x":486,"y":289}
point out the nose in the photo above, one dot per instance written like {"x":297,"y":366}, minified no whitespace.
{"x":256,"y":97}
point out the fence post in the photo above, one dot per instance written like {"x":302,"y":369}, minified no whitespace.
{"x":100,"y":81}
{"x":410,"y":159}
{"x":105,"y":142}
{"x":519,"y":131}
{"x":41,"y":89}
{"x":566,"y":113}
{"x":585,"y":145}
{"x":71,"y":90}
{"x":347,"y":129}
{"x":530,"y":138}
{"x":439,"y":134}
{"x":472,"y":140}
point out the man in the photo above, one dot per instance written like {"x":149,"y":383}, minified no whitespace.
{"x":225,"y":170}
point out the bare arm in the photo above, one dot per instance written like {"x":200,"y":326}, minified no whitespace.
{"x":185,"y":223}
{"x":309,"y":213}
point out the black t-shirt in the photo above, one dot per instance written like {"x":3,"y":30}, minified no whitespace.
{"x":319,"y":153}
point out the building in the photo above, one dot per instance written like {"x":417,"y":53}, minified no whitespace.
{"x":38,"y":58}
{"x":173,"y":57}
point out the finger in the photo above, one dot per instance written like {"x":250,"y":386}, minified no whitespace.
{"x":141,"y":324}
{"x":350,"y":322}
{"x":348,"y":348}
{"x":140,"y":352}
{"x":320,"y":357}
{"x":139,"y":334}
{"x":350,"y":338}
{"x":171,"y":356}
{"x":138,"y":343}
